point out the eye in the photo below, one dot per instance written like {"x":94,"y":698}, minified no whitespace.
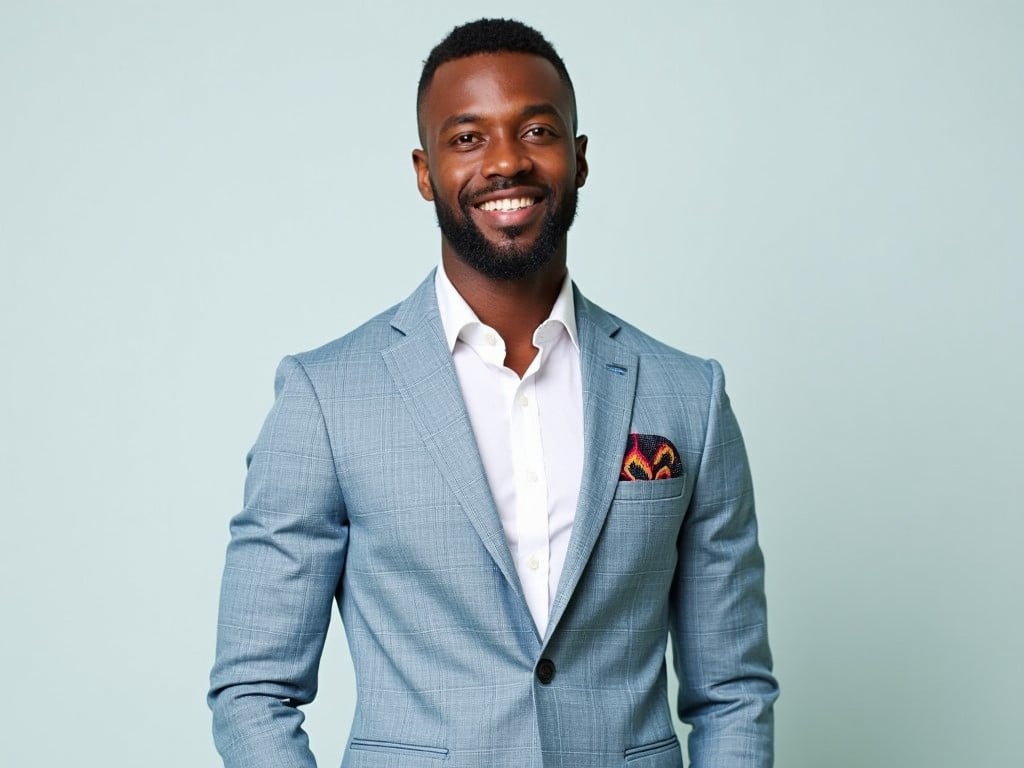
{"x":465,"y":140}
{"x":540,"y":132}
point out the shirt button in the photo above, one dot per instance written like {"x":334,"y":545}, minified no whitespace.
{"x":524,"y":401}
{"x":545,"y":671}
{"x":491,"y":339}
{"x":533,"y":563}
{"x":531,"y":476}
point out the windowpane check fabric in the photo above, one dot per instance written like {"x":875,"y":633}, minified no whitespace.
{"x":365,"y":488}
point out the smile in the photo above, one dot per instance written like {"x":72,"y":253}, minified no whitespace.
{"x":507,"y":204}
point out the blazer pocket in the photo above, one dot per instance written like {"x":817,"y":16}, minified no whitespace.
{"x":650,"y":490}
{"x":664,"y":752}
{"x":397,"y":748}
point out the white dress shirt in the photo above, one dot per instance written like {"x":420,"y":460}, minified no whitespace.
{"x":529,"y":432}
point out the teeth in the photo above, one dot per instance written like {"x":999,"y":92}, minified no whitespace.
{"x":507,"y":204}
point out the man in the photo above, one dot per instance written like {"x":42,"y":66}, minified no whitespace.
{"x":513,"y":496}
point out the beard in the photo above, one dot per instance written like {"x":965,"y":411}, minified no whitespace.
{"x":509,"y":259}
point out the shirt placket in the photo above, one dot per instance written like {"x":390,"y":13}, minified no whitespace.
{"x":531,"y":495}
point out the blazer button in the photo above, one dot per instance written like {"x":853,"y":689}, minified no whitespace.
{"x":546,"y":671}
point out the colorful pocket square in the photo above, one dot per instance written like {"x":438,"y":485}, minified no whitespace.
{"x":650,"y":457}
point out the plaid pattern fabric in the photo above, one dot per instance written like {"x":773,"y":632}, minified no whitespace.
{"x":365,"y":488}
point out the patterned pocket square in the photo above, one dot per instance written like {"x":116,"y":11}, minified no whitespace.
{"x":650,"y":457}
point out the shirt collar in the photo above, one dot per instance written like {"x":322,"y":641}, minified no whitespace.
{"x":456,"y":314}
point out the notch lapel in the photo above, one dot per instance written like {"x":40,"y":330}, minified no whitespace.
{"x":608,"y":370}
{"x":422,"y":369}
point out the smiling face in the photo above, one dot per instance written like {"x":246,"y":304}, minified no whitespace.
{"x":501,"y":163}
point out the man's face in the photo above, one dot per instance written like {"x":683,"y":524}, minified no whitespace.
{"x":500,"y":161}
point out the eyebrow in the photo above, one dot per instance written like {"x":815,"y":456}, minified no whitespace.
{"x":536,"y":110}
{"x":462,"y":119}
{"x":532,"y":110}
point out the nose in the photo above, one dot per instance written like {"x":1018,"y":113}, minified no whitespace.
{"x":505,"y":156}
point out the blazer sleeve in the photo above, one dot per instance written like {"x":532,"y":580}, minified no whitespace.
{"x":718,"y":618}
{"x":283,"y":567}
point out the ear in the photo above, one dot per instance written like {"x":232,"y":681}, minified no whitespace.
{"x":582,"y":169}
{"x":422,"y":168}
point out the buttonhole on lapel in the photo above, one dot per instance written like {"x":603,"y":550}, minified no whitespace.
{"x":615,"y":369}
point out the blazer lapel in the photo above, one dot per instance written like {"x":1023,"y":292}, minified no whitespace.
{"x":608,"y":371}
{"x":422,"y":369}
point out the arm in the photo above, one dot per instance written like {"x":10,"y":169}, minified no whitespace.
{"x":719,"y":631}
{"x":284,"y":564}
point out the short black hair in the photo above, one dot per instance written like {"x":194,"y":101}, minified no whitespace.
{"x":492,"y":36}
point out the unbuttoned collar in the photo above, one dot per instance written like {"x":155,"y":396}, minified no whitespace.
{"x":458,"y":317}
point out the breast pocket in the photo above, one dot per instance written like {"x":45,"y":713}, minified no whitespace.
{"x":650,"y":490}
{"x":642,"y":528}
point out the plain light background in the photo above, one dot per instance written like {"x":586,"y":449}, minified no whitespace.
{"x":825,"y":196}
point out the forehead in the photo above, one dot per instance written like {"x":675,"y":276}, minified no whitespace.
{"x":490,"y":85}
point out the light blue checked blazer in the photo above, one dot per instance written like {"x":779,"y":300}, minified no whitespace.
{"x":365,"y":487}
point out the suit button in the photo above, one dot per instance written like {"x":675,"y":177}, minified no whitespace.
{"x":546,"y":671}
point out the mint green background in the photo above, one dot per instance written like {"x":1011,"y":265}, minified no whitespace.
{"x":825,"y":196}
